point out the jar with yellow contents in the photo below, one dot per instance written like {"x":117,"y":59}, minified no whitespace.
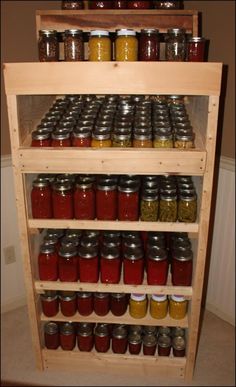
{"x":101,"y":139}
{"x":158,"y":306}
{"x":126,"y":46}
{"x":99,"y":46}
{"x":138,"y":305}
{"x":178,"y":306}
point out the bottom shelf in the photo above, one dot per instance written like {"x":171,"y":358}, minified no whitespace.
{"x":95,"y":361}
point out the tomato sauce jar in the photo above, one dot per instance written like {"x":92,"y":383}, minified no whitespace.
{"x":84,"y":201}
{"x":182,"y":267}
{"x":149,"y":344}
{"x":48,"y":263}
{"x":67,"y":336}
{"x":51,"y":335}
{"x":110,"y":264}
{"x":62,"y":200}
{"x":41,"y":199}
{"x":101,"y":338}
{"x":157,"y":266}
{"x":88,"y":264}
{"x":41,"y":139}
{"x":61,"y":139}
{"x":118,"y":303}
{"x":133,"y":269}
{"x":101,"y":303}
{"x":106,"y":201}
{"x":85,"y":337}
{"x":164,"y":345}
{"x":68,"y":303}
{"x":135,"y":343}
{"x":85,"y":303}
{"x":128,"y":201}
{"x":50,"y":303}
{"x":119,"y":339}
{"x":68,"y":264}
{"x":149,"y":45}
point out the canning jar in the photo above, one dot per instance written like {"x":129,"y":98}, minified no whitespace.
{"x":101,"y":139}
{"x":120,"y":4}
{"x":196,"y":49}
{"x":73,"y":45}
{"x":61,"y":139}
{"x":133,"y":268}
{"x":126,"y":45}
{"x":72,"y":4}
{"x":48,"y":263}
{"x":118,"y":303}
{"x":119,"y":339}
{"x":81,"y":138}
{"x":162,"y":140}
{"x":182,"y":267}
{"x":68,"y":303}
{"x":84,"y":201}
{"x":146,"y":4}
{"x":106,"y":201}
{"x":62,"y":201}
{"x":158,"y":306}
{"x":168,"y":207}
{"x":128,"y":201}
{"x":67,"y":336}
{"x":95,"y":4}
{"x":149,"y":46}
{"x":101,"y":303}
{"x":110,"y":265}
{"x":149,"y":207}
{"x":41,"y":199}
{"x":88,"y":264}
{"x":164,"y":345}
{"x":51,"y":335}
{"x":166,"y":4}
{"x":85,"y":337}
{"x":50,"y":303}
{"x":187,"y":206}
{"x":121,"y":139}
{"x":48,"y":46}
{"x":41,"y":138}
{"x":184,"y":141}
{"x":178,"y":331}
{"x":138,"y":305}
{"x":68,"y":264}
{"x":157,"y":266}
{"x":135,"y":343}
{"x":142,"y":140}
{"x":85,"y":303}
{"x":101,"y":338}
{"x":149,"y":344}
{"x":99,"y":46}
{"x":178,"y":344}
{"x":175,"y":45}
{"x":178,"y":307}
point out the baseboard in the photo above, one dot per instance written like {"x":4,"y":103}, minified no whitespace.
{"x":17,"y":303}
{"x":213,"y":309}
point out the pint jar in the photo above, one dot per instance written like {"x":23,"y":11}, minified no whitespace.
{"x":48,"y":46}
{"x":138,"y":305}
{"x":61,"y":138}
{"x":149,"y":46}
{"x":149,"y":344}
{"x":178,"y":344}
{"x":187,"y":206}
{"x":51,"y":335}
{"x":81,"y":138}
{"x":50,"y":303}
{"x":126,"y":45}
{"x":149,"y":207}
{"x":168,"y":207}
{"x":67,"y":336}
{"x":118,"y":303}
{"x":178,"y":307}
{"x":119,"y":340}
{"x":164,"y":345}
{"x":85,"y":303}
{"x":135,"y":343}
{"x":73,"y":45}
{"x":175,"y":45}
{"x":101,"y":338}
{"x":85,"y":337}
{"x":158,"y":306}
{"x":101,"y":303}
{"x":68,"y":303}
{"x":99,"y":46}
{"x":41,"y":199}
{"x":196,"y":49}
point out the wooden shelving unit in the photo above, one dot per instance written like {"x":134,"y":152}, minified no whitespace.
{"x":30,"y":89}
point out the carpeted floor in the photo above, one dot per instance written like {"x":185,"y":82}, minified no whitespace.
{"x":215,"y":365}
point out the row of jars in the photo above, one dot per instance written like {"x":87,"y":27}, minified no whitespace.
{"x":121,"y":4}
{"x":120,"y":337}
{"x":102,"y":303}
{"x":129,"y":46}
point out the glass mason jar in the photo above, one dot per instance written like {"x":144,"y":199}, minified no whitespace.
{"x":73,"y":45}
{"x":41,"y":138}
{"x":162,"y":140}
{"x":51,"y":335}
{"x":68,"y":264}
{"x":138,"y":305}
{"x":61,"y":139}
{"x":177,"y":331}
{"x":158,"y":306}
{"x":157,"y":266}
{"x":182,"y":267}
{"x":128,"y":201}
{"x":68,"y":303}
{"x":119,"y":339}
{"x":149,"y":206}
{"x":149,"y":45}
{"x":101,"y":338}
{"x":120,"y":4}
{"x":196,"y":49}
{"x":146,"y":4}
{"x":48,"y":46}
{"x":95,"y":4}
{"x":50,"y":303}
{"x":88,"y":264}
{"x":48,"y":263}
{"x":187,"y":206}
{"x":101,"y":303}
{"x":84,"y":201}
{"x":184,"y":141}
{"x":62,"y":201}
{"x":121,"y":139}
{"x":110,"y":265}
{"x":149,"y":344}
{"x":101,"y":139}
{"x":135,"y":343}
{"x":178,"y":306}
{"x":178,"y":344}
{"x":99,"y":46}
{"x":133,"y":268}
{"x":41,"y":199}
{"x":175,"y":45}
{"x":72,"y":4}
{"x":81,"y":138}
{"x":126,"y":45}
{"x":166,"y":4}
{"x":168,"y":207}
{"x":85,"y":338}
{"x":142,"y":140}
{"x":164,"y":345}
{"x":106,"y":201}
{"x":67,"y":336}
{"x":118,"y":303}
{"x":85,"y":303}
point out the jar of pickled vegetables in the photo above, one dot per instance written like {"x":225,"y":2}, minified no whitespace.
{"x":175,"y":45}
{"x":149,"y":207}
{"x":158,"y":306}
{"x":99,"y":46}
{"x":126,"y":45}
{"x":168,"y":207}
{"x":178,"y":306}
{"x":185,"y":141}
{"x":187,"y":206}
{"x":142,"y":140}
{"x":101,"y":140}
{"x":162,"y":140}
{"x":138,"y":305}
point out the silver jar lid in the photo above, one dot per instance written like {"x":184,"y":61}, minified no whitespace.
{"x":51,"y":328}
{"x":69,"y":242}
{"x":178,"y":343}
{"x":157,"y":254}
{"x":67,"y":252}
{"x":119,"y":332}
{"x":67,"y":296}
{"x":84,"y":294}
{"x":67,"y":329}
{"x":41,"y":135}
{"x":73,"y":32}
{"x":133,"y":254}
{"x":85,"y":330}
{"x":164,"y":341}
{"x":128,"y":187}
{"x":60,"y":135}
{"x":118,"y":295}
{"x":87,"y":252}
{"x":47,"y":249}
{"x":101,"y":295}
{"x":101,"y":330}
{"x":176,"y":31}
{"x":150,"y":329}
{"x":41,"y":183}
{"x":134,"y":338}
{"x":47,"y":32}
{"x":178,"y":331}
{"x":163,"y":330}
{"x":183,"y":255}
{"x":61,"y":187}
{"x":49,"y":295}
{"x":149,"y":340}
{"x":110,"y":253}
{"x":196,"y":39}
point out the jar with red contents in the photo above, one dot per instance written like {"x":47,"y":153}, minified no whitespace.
{"x":62,"y":200}
{"x":149,"y":45}
{"x":41,"y":139}
{"x":128,"y":201}
{"x":88,"y":264}
{"x":50,"y":303}
{"x":133,"y":269}
{"x":85,"y":337}
{"x":48,"y":263}
{"x":120,"y":4}
{"x":61,"y":139}
{"x":164,"y":345}
{"x":101,"y":303}
{"x":85,"y":303}
{"x":157,"y":266}
{"x":139,"y":4}
{"x":119,"y":339}
{"x":196,"y":49}
{"x":81,"y":138}
{"x":84,"y":201}
{"x":67,"y":336}
{"x":106,"y":201}
{"x":72,"y":4}
{"x":68,"y":303}
{"x":178,"y":344}
{"x":68,"y":264}
{"x":101,"y":338}
{"x":106,"y":4}
{"x":149,"y":344}
{"x":41,"y":199}
{"x":51,"y":335}
{"x":118,"y":303}
{"x":135,"y":343}
{"x":110,"y":264}
{"x":182,"y":267}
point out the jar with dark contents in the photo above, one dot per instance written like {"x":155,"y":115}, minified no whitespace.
{"x":182,"y":267}
{"x":51,"y":335}
{"x":73,"y":45}
{"x":164,"y":345}
{"x":175,"y":45}
{"x":84,"y":201}
{"x":101,"y":338}
{"x":146,"y":4}
{"x":85,"y":303}
{"x":68,"y":264}
{"x":48,"y":263}
{"x":128,"y":201}
{"x":149,"y":45}
{"x":157,"y":266}
{"x":118,"y":303}
{"x":72,"y":4}
{"x":50,"y":303}
{"x":68,"y":303}
{"x":67,"y":336}
{"x":119,"y":339}
{"x":88,"y":264}
{"x":41,"y":139}
{"x":41,"y":199}
{"x":85,"y":338}
{"x":134,"y":343}
{"x":110,"y":265}
{"x":133,"y":266}
{"x":62,"y":201}
{"x":101,"y":303}
{"x":178,"y":344}
{"x":196,"y":49}
{"x":48,"y":46}
{"x":149,"y":344}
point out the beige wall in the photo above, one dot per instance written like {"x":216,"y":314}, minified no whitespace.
{"x":218,"y":21}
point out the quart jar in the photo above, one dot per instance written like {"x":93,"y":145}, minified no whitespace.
{"x":149,"y":45}
{"x":133,"y":266}
{"x":182,"y":267}
{"x":68,"y":303}
{"x":119,"y":339}
{"x":138,"y":305}
{"x":84,"y":201}
{"x":85,"y":337}
{"x":187,"y":206}
{"x":118,"y":303}
{"x":88,"y":264}
{"x":67,"y":336}
{"x":135,"y":343}
{"x":72,"y":4}
{"x":175,"y":45}
{"x":178,"y":344}
{"x":48,"y":46}
{"x":81,"y":138}
{"x":110,"y":265}
{"x":48,"y":263}
{"x":99,"y":46}
{"x":101,"y":139}
{"x":128,"y":201}
{"x":62,"y":201}
{"x":162,"y":140}
{"x":106,"y":201}
{"x":146,"y":4}
{"x":126,"y":45}
{"x":149,"y":207}
{"x":158,"y":306}
{"x":41,"y":199}
{"x":51,"y":335}
{"x":101,"y":303}
{"x":184,"y":141}
{"x":101,"y":338}
{"x":41,"y":139}
{"x":196,"y":49}
{"x":141,"y":140}
{"x":149,"y":344}
{"x":164,"y":345}
{"x":157,"y":266}
{"x":178,"y":307}
{"x":68,"y":264}
{"x":60,"y":139}
{"x":85,"y":303}
{"x":168,"y":207}
{"x":50,"y":303}
{"x":73,"y":45}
